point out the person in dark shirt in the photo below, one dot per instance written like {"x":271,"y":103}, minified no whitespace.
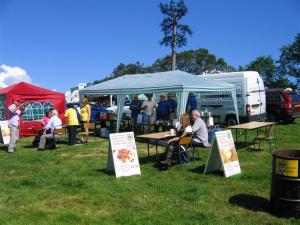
{"x":172,"y":105}
{"x":163,"y":109}
{"x":163,"y":112}
{"x":191,"y":104}
{"x":135,"y":107}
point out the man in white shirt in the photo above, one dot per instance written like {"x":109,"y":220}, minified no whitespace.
{"x":54,"y":123}
{"x":149,"y":106}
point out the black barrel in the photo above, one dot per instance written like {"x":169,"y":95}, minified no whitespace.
{"x":285,"y":190}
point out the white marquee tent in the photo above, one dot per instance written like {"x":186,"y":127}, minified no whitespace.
{"x":171,"y":81}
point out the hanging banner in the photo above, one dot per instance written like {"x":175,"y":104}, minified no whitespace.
{"x":122,"y":155}
{"x":223,"y":155}
{"x":5,"y":132}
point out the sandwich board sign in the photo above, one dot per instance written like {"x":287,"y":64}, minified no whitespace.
{"x":223,"y":155}
{"x":5,"y":132}
{"x":122,"y":155}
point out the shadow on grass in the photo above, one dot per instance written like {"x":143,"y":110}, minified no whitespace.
{"x":200,"y":170}
{"x":241,"y":144}
{"x":146,"y":159}
{"x":29,"y":146}
{"x":104,"y":171}
{"x":3,"y":148}
{"x":251,"y":202}
{"x":152,"y":158}
{"x":256,"y":149}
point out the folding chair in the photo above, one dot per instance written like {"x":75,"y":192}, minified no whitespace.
{"x":184,"y":144}
{"x":269,"y":136}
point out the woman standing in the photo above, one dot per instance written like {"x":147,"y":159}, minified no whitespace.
{"x":85,"y":116}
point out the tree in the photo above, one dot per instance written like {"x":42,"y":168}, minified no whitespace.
{"x":265,"y":66}
{"x":290,"y":59}
{"x":131,"y":68}
{"x":174,"y":32}
{"x":193,"y":61}
{"x":268,"y":70}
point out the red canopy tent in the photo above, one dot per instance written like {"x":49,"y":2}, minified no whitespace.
{"x":37,"y":101}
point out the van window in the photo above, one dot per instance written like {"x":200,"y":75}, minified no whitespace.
{"x":295,"y":97}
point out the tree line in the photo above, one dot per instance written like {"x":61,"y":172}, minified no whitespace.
{"x":281,"y":73}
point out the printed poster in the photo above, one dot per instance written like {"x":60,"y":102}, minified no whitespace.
{"x":123,"y":157}
{"x":228,"y":153}
{"x":223,"y":155}
{"x":5,"y":132}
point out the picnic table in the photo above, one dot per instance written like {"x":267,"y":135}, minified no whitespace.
{"x":249,"y":126}
{"x":156,"y":137}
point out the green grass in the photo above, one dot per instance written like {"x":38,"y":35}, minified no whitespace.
{"x":70,"y":186}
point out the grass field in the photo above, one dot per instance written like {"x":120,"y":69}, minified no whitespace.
{"x":71,"y":186}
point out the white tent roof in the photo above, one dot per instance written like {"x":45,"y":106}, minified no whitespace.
{"x":157,"y":82}
{"x":176,"y":81}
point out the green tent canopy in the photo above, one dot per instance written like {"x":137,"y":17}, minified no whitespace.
{"x":171,"y":81}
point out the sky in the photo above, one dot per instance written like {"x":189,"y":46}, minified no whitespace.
{"x":57,"y":44}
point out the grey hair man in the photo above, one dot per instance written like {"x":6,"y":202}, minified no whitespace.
{"x":200,"y":133}
{"x":54,"y":123}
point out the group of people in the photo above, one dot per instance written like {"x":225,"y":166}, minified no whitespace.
{"x":191,"y":123}
{"x":50,"y":122}
{"x":165,"y":110}
{"x":72,"y":121}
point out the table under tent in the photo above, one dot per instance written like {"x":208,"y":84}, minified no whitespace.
{"x":180,"y":82}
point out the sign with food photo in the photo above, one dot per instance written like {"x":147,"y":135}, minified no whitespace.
{"x":228,"y":153}
{"x":223,"y":155}
{"x":5,"y":133}
{"x":123,"y":154}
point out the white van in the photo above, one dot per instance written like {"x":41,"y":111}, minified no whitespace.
{"x":251,"y":99}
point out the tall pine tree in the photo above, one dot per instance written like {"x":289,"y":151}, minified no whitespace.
{"x":174,"y":32}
